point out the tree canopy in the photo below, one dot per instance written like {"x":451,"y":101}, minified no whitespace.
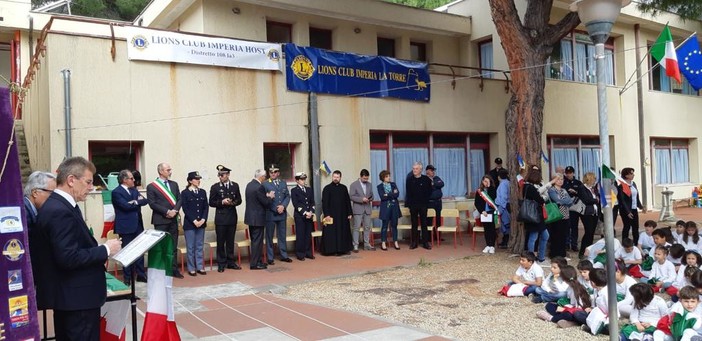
{"x":110,"y":9}
{"x":688,"y":9}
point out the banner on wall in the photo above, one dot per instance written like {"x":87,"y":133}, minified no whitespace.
{"x":18,"y":309}
{"x":176,"y":47}
{"x":310,"y":69}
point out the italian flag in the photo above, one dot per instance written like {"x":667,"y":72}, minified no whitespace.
{"x":113,"y":320}
{"x":159,"y":322}
{"x":664,"y":52}
{"x":108,"y":212}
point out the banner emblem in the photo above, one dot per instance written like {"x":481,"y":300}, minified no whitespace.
{"x":302,"y":67}
{"x":13,"y":250}
{"x":140,"y":42}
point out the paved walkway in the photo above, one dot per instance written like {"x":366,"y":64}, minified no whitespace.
{"x":244,"y":305}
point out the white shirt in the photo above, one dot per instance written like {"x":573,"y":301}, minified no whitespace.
{"x":634,"y":196}
{"x":634,"y":255}
{"x":677,"y":237}
{"x":531,"y":274}
{"x":690,"y":244}
{"x":663,"y":272}
{"x":652,"y":252}
{"x":73,"y":203}
{"x":623,"y":287}
{"x":651,"y":313}
{"x":680,"y":280}
{"x":601,"y":299}
{"x":646,"y":242}
{"x":554,"y":284}
{"x":574,"y":301}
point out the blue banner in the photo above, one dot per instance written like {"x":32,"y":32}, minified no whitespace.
{"x":311,"y":69}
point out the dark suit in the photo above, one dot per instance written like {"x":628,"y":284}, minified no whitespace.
{"x":71,"y":279}
{"x":225,"y":220}
{"x":31,"y":228}
{"x":303,"y":201}
{"x":160,"y":205}
{"x":255,"y":216}
{"x":129,"y":224}
{"x":625,"y":207}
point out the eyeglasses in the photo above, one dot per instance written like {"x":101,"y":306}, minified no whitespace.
{"x":130,"y":178}
{"x":45,"y":190}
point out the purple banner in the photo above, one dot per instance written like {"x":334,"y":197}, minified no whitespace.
{"x":18,"y":308}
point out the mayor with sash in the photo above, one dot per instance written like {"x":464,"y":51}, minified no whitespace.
{"x":163,"y":195}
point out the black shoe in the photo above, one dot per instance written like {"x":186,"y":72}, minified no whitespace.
{"x":426,"y":246}
{"x":355,"y":250}
{"x":142,"y":279}
{"x":271,"y":262}
{"x":383,"y":247}
{"x":259,"y":267}
{"x":202,"y":272}
{"x":221,"y":269}
{"x":127,"y":282}
{"x":234,"y":266}
{"x":397,"y":246}
{"x":177,"y":274}
{"x":310,"y":257}
{"x":286,"y":260}
{"x":300,"y":258}
{"x":192,"y":273}
{"x":413,"y":246}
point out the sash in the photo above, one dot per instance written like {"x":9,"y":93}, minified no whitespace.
{"x":161,"y":187}
{"x":489,"y":201}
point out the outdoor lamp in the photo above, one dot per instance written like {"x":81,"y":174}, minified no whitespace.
{"x":598,"y":16}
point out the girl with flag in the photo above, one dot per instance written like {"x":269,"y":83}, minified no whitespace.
{"x":485,"y":204}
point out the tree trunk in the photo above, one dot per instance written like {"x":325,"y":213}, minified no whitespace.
{"x":527,"y":46}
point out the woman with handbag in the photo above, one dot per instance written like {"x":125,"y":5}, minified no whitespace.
{"x":589,"y":196}
{"x":559,"y":229}
{"x":485,"y":204}
{"x":537,"y":193}
{"x":629,"y":203}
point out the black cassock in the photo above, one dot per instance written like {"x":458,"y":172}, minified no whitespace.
{"x":336,"y":203}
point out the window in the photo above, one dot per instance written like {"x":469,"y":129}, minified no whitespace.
{"x":113,"y":156}
{"x":583,"y":153}
{"x":277,"y":32}
{"x":485,"y":57}
{"x":451,"y":155}
{"x":671,"y":161}
{"x":386,"y":47}
{"x":573,"y":59}
{"x":283,"y":156}
{"x":418,"y":51}
{"x":659,"y":81}
{"x":321,"y":38}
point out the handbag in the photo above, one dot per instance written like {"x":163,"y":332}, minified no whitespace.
{"x":553,"y":213}
{"x":577,"y":206}
{"x":530,"y":212}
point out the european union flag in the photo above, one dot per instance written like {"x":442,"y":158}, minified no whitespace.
{"x":690,"y":61}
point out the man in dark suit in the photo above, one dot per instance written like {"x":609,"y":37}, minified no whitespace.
{"x":257,"y":202}
{"x":225,"y":196}
{"x":37,"y":190}
{"x":128,"y":223}
{"x":277,"y":215}
{"x":303,"y":205}
{"x":72,"y":267}
{"x":163,"y":196}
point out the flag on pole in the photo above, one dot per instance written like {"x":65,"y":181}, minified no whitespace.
{"x":108,"y":212}
{"x":664,"y":52}
{"x":159,"y":322}
{"x":522,"y":165}
{"x":601,"y":175}
{"x":113,"y":320}
{"x":325,"y":168}
{"x":543,"y":157}
{"x":690,"y":59}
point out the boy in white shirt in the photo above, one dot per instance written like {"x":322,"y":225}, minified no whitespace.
{"x":646,"y":239}
{"x":628,"y":254}
{"x":528,"y":273}
{"x":683,"y":321}
{"x":592,"y":251}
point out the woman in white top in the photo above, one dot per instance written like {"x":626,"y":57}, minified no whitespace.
{"x":629,"y":203}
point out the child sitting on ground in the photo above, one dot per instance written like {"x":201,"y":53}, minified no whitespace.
{"x":595,"y":253}
{"x":625,"y":301}
{"x":529,"y":273}
{"x":647,"y":310}
{"x":687,"y":272}
{"x":675,"y":255}
{"x":579,"y":299}
{"x":584,"y":267}
{"x":682,"y":320}
{"x":663,"y":271}
{"x":552,"y":287}
{"x":598,"y":278}
{"x":646,"y":239}
{"x":679,"y":232}
{"x":630,"y":255}
{"x":691,"y":240}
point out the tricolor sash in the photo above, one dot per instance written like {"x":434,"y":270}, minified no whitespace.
{"x":161,"y":187}
{"x":488,"y":201}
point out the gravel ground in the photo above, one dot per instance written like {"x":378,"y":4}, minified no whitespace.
{"x":454,"y":298}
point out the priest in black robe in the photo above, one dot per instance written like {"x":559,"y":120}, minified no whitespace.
{"x":336,"y":206}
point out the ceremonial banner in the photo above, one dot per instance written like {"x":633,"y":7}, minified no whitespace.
{"x":18,"y":309}
{"x":309,"y":69}
{"x":167,"y":46}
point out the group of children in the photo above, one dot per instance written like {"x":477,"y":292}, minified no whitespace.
{"x":658,"y":285}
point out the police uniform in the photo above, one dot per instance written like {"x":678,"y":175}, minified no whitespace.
{"x":195,"y":209}
{"x":435,"y":198}
{"x":276,"y":223}
{"x":225,"y":196}
{"x":303,"y":202}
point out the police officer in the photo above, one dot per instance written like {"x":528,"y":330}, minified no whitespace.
{"x":303,"y":205}
{"x":225,"y":196}
{"x":276,"y":215}
{"x":436,"y":194}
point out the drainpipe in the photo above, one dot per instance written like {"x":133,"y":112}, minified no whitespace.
{"x":313,"y":130}
{"x":31,"y":37}
{"x":67,"y":109}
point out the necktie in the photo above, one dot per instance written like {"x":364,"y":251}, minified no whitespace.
{"x":226,"y":185}
{"x":303,"y":190}
{"x":196,"y":191}
{"x":276,"y":183}
{"x":165,"y":184}
{"x":77,"y":210}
